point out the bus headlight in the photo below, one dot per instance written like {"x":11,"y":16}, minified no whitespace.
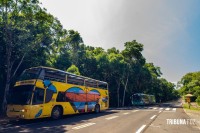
{"x":24,"y":110}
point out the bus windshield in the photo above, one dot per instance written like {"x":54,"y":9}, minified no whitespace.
{"x":29,"y":74}
{"x":21,"y":95}
{"x":136,"y":98}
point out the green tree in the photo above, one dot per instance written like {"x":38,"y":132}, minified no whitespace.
{"x":74,"y":39}
{"x":133,"y":57}
{"x":117,"y":63}
{"x":73,"y":69}
{"x":26,"y":28}
{"x":191,"y":84}
{"x":198,"y":100}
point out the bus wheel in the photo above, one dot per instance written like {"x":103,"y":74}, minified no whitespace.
{"x":56,"y":112}
{"x":97,"y":109}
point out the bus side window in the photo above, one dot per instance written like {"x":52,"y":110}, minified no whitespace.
{"x":49,"y":94}
{"x":60,"y":97}
{"x":38,"y":97}
{"x":91,"y":83}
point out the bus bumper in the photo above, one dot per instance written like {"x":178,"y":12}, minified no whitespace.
{"x":17,"y":112}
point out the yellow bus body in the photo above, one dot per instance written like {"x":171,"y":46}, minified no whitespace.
{"x":45,"y":109}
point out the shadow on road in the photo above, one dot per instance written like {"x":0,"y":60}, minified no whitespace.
{"x":48,"y":125}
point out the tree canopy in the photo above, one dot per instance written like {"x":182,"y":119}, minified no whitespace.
{"x":191,"y":84}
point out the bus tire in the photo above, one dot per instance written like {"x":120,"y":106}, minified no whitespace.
{"x":97,"y":109}
{"x":56,"y":112}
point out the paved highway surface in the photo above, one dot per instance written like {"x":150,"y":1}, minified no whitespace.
{"x":151,"y":119}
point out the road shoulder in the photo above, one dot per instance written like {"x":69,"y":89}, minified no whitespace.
{"x":194,"y":115}
{"x":162,"y":125}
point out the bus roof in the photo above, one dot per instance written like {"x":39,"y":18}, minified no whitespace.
{"x":87,"y":78}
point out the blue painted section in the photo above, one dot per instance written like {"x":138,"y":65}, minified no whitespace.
{"x":75,"y":90}
{"x":91,"y":105}
{"x":47,"y":83}
{"x":94,"y":92}
{"x":38,"y":114}
{"x":79,"y":105}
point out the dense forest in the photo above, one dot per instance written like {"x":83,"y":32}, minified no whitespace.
{"x":191,"y":85}
{"x":29,"y":36}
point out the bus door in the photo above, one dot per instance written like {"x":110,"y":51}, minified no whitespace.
{"x":40,"y":108}
{"x":37,"y":103}
{"x":48,"y":101}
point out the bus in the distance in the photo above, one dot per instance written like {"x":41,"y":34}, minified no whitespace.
{"x":142,"y":99}
{"x":47,"y":92}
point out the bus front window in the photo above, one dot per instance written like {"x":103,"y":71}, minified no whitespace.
{"x":38,"y":97}
{"x":136,"y":98}
{"x":21,"y":95}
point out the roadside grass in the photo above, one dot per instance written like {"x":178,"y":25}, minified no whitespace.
{"x":186,"y":106}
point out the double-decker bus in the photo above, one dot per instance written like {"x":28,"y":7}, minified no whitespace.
{"x":48,"y":92}
{"x":142,"y":99}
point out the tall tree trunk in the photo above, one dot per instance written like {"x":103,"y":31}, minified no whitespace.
{"x":9,"y":63}
{"x":8,"y":74}
{"x":118,"y":87}
{"x":125,"y":87}
{"x":8,"y":57}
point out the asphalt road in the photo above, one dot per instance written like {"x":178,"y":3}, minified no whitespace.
{"x":151,"y":119}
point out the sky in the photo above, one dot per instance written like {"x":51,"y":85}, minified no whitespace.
{"x":168,"y":29}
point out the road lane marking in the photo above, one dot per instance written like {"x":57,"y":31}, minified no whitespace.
{"x":82,"y":126}
{"x":112,"y":117}
{"x":153,"y":117}
{"x":140,"y":129}
{"x":5,"y":128}
{"x":149,"y":110}
{"x":154,"y":108}
{"x":167,"y":109}
{"x":126,"y":113}
{"x":134,"y":111}
{"x":159,"y":111}
{"x":170,"y":111}
{"x":154,"y":126}
{"x":174,"y":109}
{"x":161,"y":108}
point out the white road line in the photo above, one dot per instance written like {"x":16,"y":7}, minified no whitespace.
{"x":170,"y":111}
{"x":161,"y":108}
{"x":154,"y":108}
{"x":167,"y":109}
{"x":82,"y":126}
{"x":140,"y":129}
{"x":112,"y":117}
{"x":134,"y":110}
{"x":10,"y":127}
{"x":149,"y":110}
{"x":153,"y":116}
{"x":126,"y":113}
{"x":23,"y":125}
{"x":159,"y":111}
{"x":174,"y":109}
